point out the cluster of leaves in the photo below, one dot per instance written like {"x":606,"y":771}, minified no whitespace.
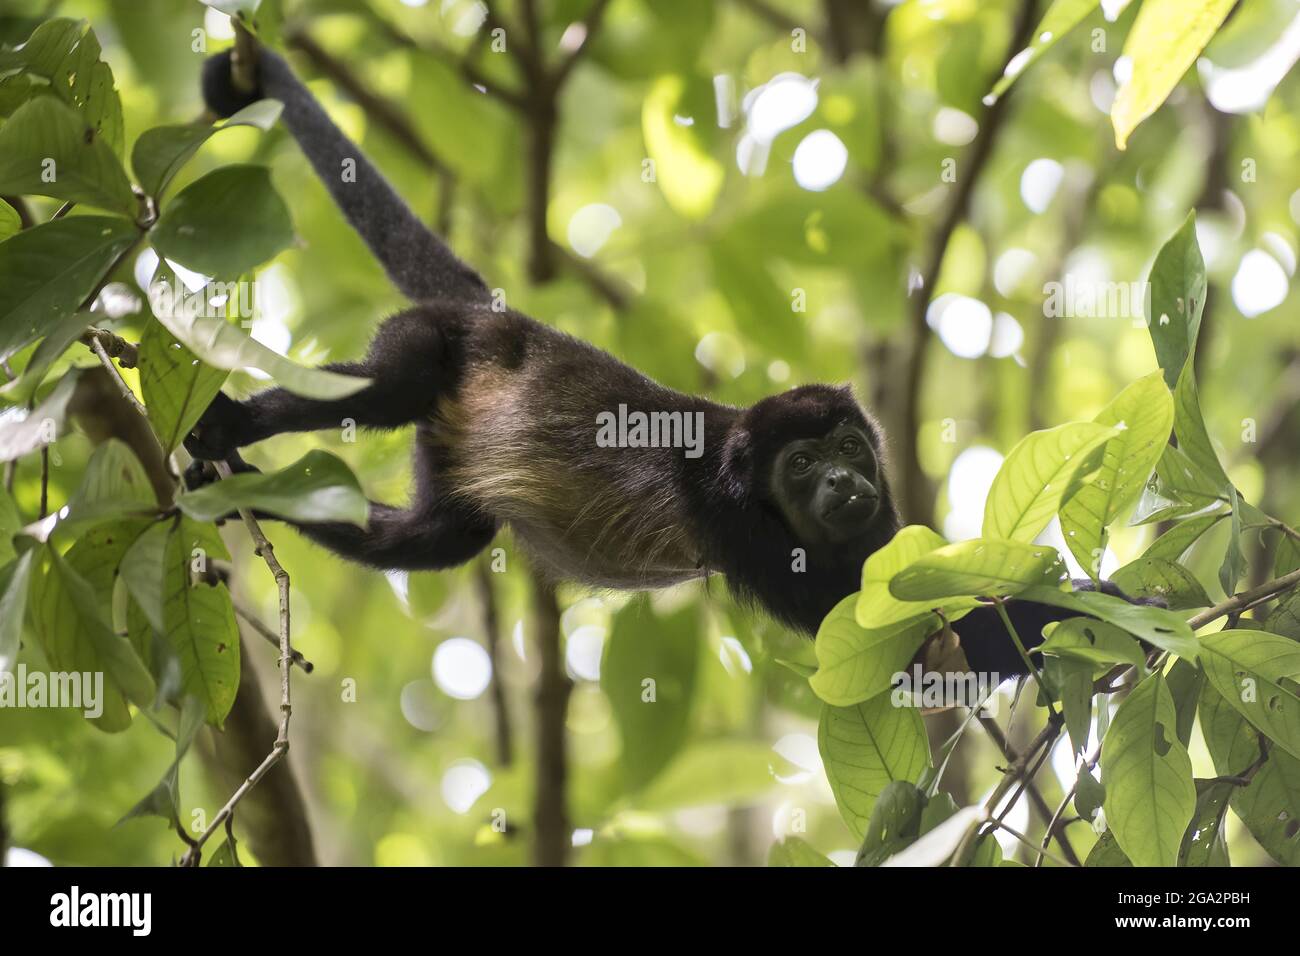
{"x":1243,"y":679}
{"x":121,"y":580}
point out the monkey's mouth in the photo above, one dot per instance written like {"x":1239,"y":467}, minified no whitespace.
{"x":854,"y":507}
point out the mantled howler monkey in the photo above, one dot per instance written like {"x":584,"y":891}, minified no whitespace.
{"x":506,"y":412}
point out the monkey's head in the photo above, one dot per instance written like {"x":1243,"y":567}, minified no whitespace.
{"x":814,"y":456}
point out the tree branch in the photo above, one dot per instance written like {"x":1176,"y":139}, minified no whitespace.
{"x":917,"y":493}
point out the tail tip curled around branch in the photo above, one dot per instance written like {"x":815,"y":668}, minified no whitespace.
{"x":219,"y":91}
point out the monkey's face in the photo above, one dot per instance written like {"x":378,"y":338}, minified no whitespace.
{"x":827,"y":488}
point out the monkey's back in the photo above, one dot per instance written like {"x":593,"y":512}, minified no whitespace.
{"x":517,"y":440}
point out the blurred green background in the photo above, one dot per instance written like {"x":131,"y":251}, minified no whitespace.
{"x":742,"y":195}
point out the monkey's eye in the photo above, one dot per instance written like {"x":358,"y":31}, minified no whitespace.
{"x":850,"y":446}
{"x":801,"y":463}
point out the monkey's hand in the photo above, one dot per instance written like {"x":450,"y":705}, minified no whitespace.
{"x":219,"y":432}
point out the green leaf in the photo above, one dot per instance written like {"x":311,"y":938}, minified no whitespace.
{"x":1150,"y":796}
{"x":199,"y":620}
{"x":649,"y":674}
{"x":10,"y":524}
{"x":1177,"y":300}
{"x":1193,"y":439}
{"x":1154,"y":625}
{"x":66,"y":53}
{"x":866,"y":747}
{"x":981,"y":567}
{"x":1145,"y":413}
{"x":177,"y":386}
{"x":1164,"y":41}
{"x":113,"y":485}
{"x":1073,"y":681}
{"x":219,"y":344}
{"x":14,"y":578}
{"x":1270,"y":805}
{"x":226,"y":855}
{"x":48,"y":271}
{"x":1106,"y":853}
{"x":1205,"y":842}
{"x":225,"y":223}
{"x":1173,"y":544}
{"x":45,"y":150}
{"x":42,"y":425}
{"x":58,"y":339}
{"x":1061,"y":17}
{"x":1185,"y":681}
{"x":1035,"y":477}
{"x":1158,"y":577}
{"x":1256,"y":672}
{"x":143,"y":570}
{"x":855,"y":663}
{"x":900,"y":811}
{"x":159,"y":153}
{"x":876,"y":607}
{"x":792,"y":851}
{"x":317,"y":487}
{"x":1093,"y":642}
{"x":1234,"y":562}
{"x":10,"y":221}
{"x":66,"y":616}
{"x":164,"y":800}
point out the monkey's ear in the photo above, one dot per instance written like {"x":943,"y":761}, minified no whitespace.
{"x":738,"y":462}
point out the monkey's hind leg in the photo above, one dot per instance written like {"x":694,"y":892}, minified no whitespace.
{"x":408,"y":363}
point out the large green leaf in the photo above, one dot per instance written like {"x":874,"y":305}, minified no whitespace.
{"x":1165,"y":39}
{"x":1061,"y":17}
{"x":1144,"y":413}
{"x":1256,"y":673}
{"x":856,"y":663}
{"x":177,"y":386}
{"x":1205,"y":842}
{"x":205,"y":332}
{"x":979,"y":567}
{"x":1173,"y":544}
{"x":200,"y":620}
{"x":58,"y":339}
{"x":66,"y":53}
{"x":317,"y":487}
{"x":1035,"y":477}
{"x":648,"y":674}
{"x":225,"y":223}
{"x":1177,"y":299}
{"x":48,"y":271}
{"x":1270,"y":805}
{"x":10,"y":221}
{"x":1154,"y":625}
{"x":1150,"y":795}
{"x":114,"y":484}
{"x":44,"y":151}
{"x":866,"y":747}
{"x":159,"y":153}
{"x":67,"y":617}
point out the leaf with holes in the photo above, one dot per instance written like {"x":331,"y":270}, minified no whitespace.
{"x":1256,"y":673}
{"x":1154,"y":625}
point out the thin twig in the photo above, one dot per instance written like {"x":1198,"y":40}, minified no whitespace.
{"x":1035,"y":795}
{"x":256,"y":624}
{"x":1000,"y":605}
{"x":264,"y":549}
{"x":1000,"y":825}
